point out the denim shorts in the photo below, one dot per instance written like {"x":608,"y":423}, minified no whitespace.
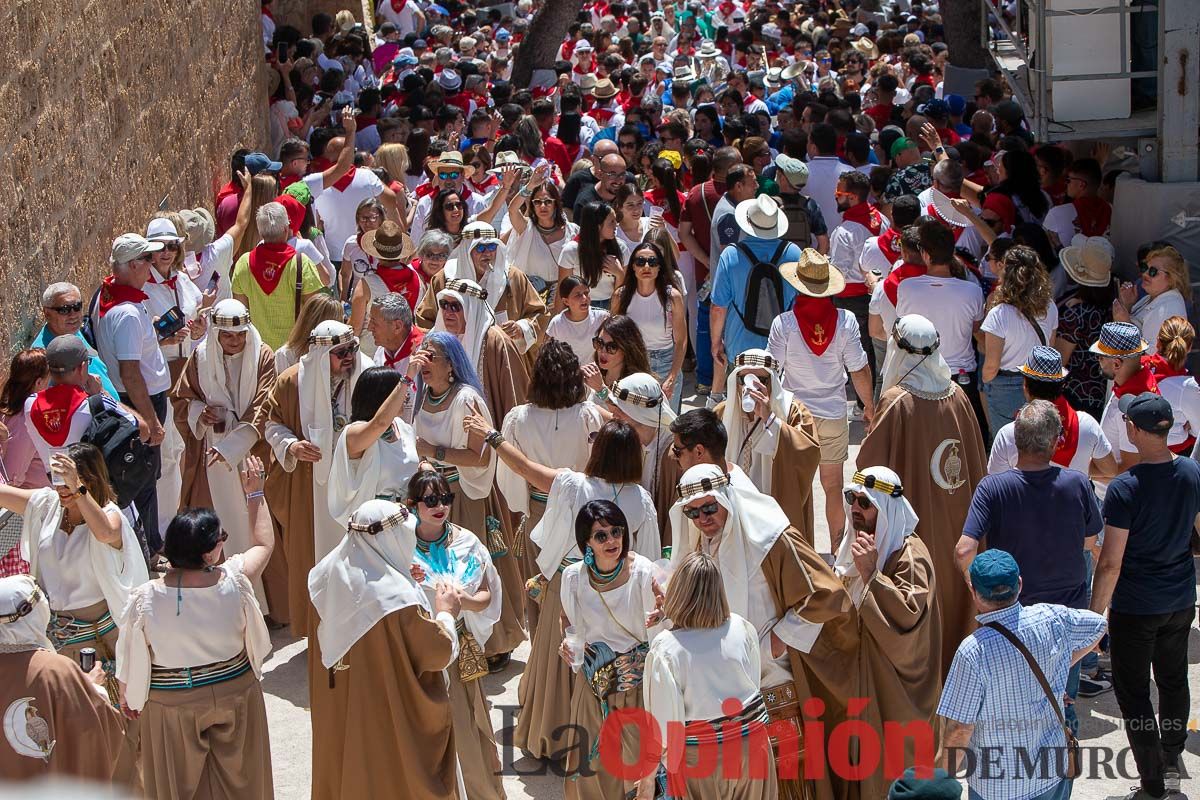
{"x":660,"y":365}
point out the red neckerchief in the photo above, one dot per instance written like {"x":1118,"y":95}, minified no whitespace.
{"x":266,"y":12}
{"x":1161,"y":367}
{"x":168,"y":282}
{"x":230,"y":188}
{"x":1068,"y":442}
{"x":488,"y":183}
{"x":52,"y":410}
{"x":928,"y":80}
{"x":344,"y":181}
{"x":319,"y":164}
{"x":398,"y":279}
{"x":267,"y":262}
{"x":602,"y":115}
{"x":1092,"y":215}
{"x":888,"y":241}
{"x":415,"y":335}
{"x":866,"y":215}
{"x":1142,"y":381}
{"x":579,"y":69}
{"x":891,"y":284}
{"x":112,"y":294}
{"x":287,"y":180}
{"x":398,"y":5}
{"x":817,"y":318}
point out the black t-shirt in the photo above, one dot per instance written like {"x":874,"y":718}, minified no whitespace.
{"x":585,"y":192}
{"x":575,"y":183}
{"x":1157,"y":504}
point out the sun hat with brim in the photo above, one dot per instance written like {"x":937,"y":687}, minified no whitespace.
{"x":604,"y":89}
{"x":1119,"y":340}
{"x":388,"y":243}
{"x":867,"y":47}
{"x":792,"y":71}
{"x":128,"y":246}
{"x":162,"y":230}
{"x":507,"y":161}
{"x":761,"y":217}
{"x":449,"y":80}
{"x":1044,"y":364}
{"x":947,"y":212}
{"x":1089,"y":263}
{"x":813,"y":275}
{"x":683,"y":74}
{"x":587,"y":83}
{"x":453,"y":160}
{"x":708,"y":50}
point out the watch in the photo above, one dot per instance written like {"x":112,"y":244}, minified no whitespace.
{"x":940,"y":149}
{"x":439,"y":453}
{"x":495,"y":439}
{"x":81,"y":491}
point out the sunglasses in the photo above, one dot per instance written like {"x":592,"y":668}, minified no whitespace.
{"x":853,"y":499}
{"x":450,"y":305}
{"x":628,"y":145}
{"x":645,"y":261}
{"x":345,"y":351}
{"x":490,"y":247}
{"x":1149,"y":272}
{"x":708,"y":509}
{"x":435,"y":500}
{"x":677,"y":449}
{"x":453,"y":206}
{"x":449,"y":176}
{"x":610,"y":347}
{"x":616,"y":534}
{"x":437,"y":256}
{"x":69,"y":308}
{"x":172,"y":247}
{"x":542,"y":202}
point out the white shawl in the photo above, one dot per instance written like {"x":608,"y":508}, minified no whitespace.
{"x":896,"y":522}
{"x":316,"y":400}
{"x":738,"y":426}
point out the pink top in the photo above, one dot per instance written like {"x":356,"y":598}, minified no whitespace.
{"x":21,"y":460}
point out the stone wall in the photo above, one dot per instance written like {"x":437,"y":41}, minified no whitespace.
{"x":111,"y":106}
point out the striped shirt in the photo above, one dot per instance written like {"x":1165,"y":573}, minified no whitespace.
{"x":992,"y":687}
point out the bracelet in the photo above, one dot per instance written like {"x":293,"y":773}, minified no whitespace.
{"x":439,"y":453}
{"x":602,"y":394}
{"x":495,"y":439}
{"x":253,"y":495}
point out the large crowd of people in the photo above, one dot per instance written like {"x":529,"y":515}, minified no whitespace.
{"x":412,"y":385}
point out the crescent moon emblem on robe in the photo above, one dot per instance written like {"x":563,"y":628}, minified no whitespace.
{"x":947,"y":475}
{"x":28,"y":733}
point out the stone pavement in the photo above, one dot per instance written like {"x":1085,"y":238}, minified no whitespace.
{"x":284,"y":683}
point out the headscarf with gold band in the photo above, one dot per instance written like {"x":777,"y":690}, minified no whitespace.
{"x":740,"y":429}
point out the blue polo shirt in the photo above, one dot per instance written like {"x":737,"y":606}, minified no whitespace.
{"x":729,"y":289}
{"x":97,"y":366}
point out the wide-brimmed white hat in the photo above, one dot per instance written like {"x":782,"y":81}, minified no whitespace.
{"x":761,"y":217}
{"x":946,"y":210}
{"x":1088,"y":260}
{"x":162,"y":229}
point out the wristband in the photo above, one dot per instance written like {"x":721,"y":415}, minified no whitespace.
{"x":602,"y":394}
{"x":439,"y":453}
{"x":495,"y":439}
{"x":253,"y":495}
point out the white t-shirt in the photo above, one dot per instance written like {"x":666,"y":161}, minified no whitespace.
{"x":1093,"y":445}
{"x":1019,"y":337}
{"x":846,"y":245}
{"x":578,"y":334}
{"x":337,"y":208}
{"x":872,"y":258}
{"x":1060,"y":221}
{"x":953,"y":306}
{"x":216,"y":258}
{"x":1183,"y":393}
{"x":604,"y":288}
{"x":818,"y":381}
{"x":126,"y":333}
{"x":881,"y":306}
{"x":823,"y":174}
{"x":1112,"y":422}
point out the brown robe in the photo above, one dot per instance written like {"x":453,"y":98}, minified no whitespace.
{"x":800,"y":579}
{"x":935,"y":448}
{"x":899,"y":625}
{"x":62,"y":707}
{"x":289,"y":497}
{"x":384,"y":728}
{"x":794,"y":467}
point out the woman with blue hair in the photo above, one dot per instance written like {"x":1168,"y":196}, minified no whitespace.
{"x":448,"y":391}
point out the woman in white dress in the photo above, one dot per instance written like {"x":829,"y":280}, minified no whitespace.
{"x":709,"y":657}
{"x":608,"y":599}
{"x":356,"y":262}
{"x":1164,"y":278}
{"x":190,"y":659}
{"x":449,"y":554}
{"x":578,"y":322}
{"x":540,"y":231}
{"x":597,"y":256}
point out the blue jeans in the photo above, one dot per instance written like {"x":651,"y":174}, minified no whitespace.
{"x":703,"y":346}
{"x":660,"y":365}
{"x":1059,"y":791}
{"x":602,"y":304}
{"x":1005,"y":396}
{"x":1091,"y":661}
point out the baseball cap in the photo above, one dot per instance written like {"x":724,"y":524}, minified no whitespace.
{"x":898,"y":146}
{"x":128,"y":246}
{"x":794,"y":169}
{"x":66,"y":352}
{"x":503,"y":36}
{"x":261,"y":162}
{"x":995,"y":575}
{"x":938,"y":109}
{"x":956,"y":103}
{"x":939,"y":786}
{"x":1148,"y":411}
{"x":420,"y":44}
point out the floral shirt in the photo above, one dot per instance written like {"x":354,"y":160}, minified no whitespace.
{"x":1085,"y":385}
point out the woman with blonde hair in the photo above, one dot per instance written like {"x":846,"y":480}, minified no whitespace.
{"x":1165,"y":279}
{"x":263,"y":189}
{"x":1169,"y":365}
{"x":1022,"y":316}
{"x":709,"y":657}
{"x":316,"y":309}
{"x":393,"y":157}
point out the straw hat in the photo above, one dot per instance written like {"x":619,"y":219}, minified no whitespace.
{"x":507,"y":160}
{"x":867,"y":47}
{"x":792,"y":71}
{"x":452,"y":160}
{"x":708,"y":50}
{"x":1089,"y":263}
{"x":587,"y":83}
{"x":761,"y":217}
{"x":604,"y":89}
{"x":388,"y":243}
{"x":813,"y":275}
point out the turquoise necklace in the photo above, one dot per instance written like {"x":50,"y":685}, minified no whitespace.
{"x":424,"y":546}
{"x":605,"y":578}
{"x":438,"y":399}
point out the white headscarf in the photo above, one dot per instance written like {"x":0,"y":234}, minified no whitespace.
{"x":896,"y":521}
{"x":495,"y":280}
{"x":478,"y":314}
{"x":232,"y":317}
{"x":736,"y":423}
{"x":316,"y":398}
{"x":926,"y":375}
{"x":640,"y":396}
{"x":754,"y":525}
{"x":20,"y":594}
{"x":365,"y":578}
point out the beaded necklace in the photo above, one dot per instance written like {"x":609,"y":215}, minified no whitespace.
{"x":436,"y":399}
{"x":605,"y":578}
{"x":424,"y":546}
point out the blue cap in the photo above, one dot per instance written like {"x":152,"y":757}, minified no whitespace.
{"x":261,"y":162}
{"x":938,"y":787}
{"x":435,"y":8}
{"x":503,"y":35}
{"x":420,"y":44}
{"x":957,"y":104}
{"x":934,"y":108}
{"x":995,"y":575}
{"x":405,"y":60}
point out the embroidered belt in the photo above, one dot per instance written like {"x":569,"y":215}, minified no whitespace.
{"x":66,"y":630}
{"x":783,"y":706}
{"x":753,"y":716}
{"x":541,"y":497}
{"x":610,"y":673}
{"x":472,"y":664}
{"x":535,"y":587}
{"x":448,"y":471}
{"x":781,"y":701}
{"x":173,"y":678}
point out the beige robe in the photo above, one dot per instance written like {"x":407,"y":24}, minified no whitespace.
{"x":381,"y":719}
{"x":794,"y":467}
{"x":935,"y":448}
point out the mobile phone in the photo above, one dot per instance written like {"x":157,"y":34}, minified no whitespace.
{"x":281,"y":52}
{"x":170,"y":323}
{"x":213,"y":282}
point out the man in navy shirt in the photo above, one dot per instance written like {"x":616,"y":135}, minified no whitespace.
{"x":1147,"y":581}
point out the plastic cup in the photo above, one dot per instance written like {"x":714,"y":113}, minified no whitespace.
{"x":575,"y":643}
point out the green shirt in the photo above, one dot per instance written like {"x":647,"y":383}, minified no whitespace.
{"x":275,"y":313}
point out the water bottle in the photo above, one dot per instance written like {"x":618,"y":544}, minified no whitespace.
{"x":748,"y":383}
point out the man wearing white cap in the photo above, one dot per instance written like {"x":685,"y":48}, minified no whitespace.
{"x":306,"y":410}
{"x":925,"y":430}
{"x":216,"y":401}
{"x":784,"y":589}
{"x":638,"y":400}
{"x":889,"y":574}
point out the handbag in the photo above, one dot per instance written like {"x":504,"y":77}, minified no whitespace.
{"x":1073,"y":767}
